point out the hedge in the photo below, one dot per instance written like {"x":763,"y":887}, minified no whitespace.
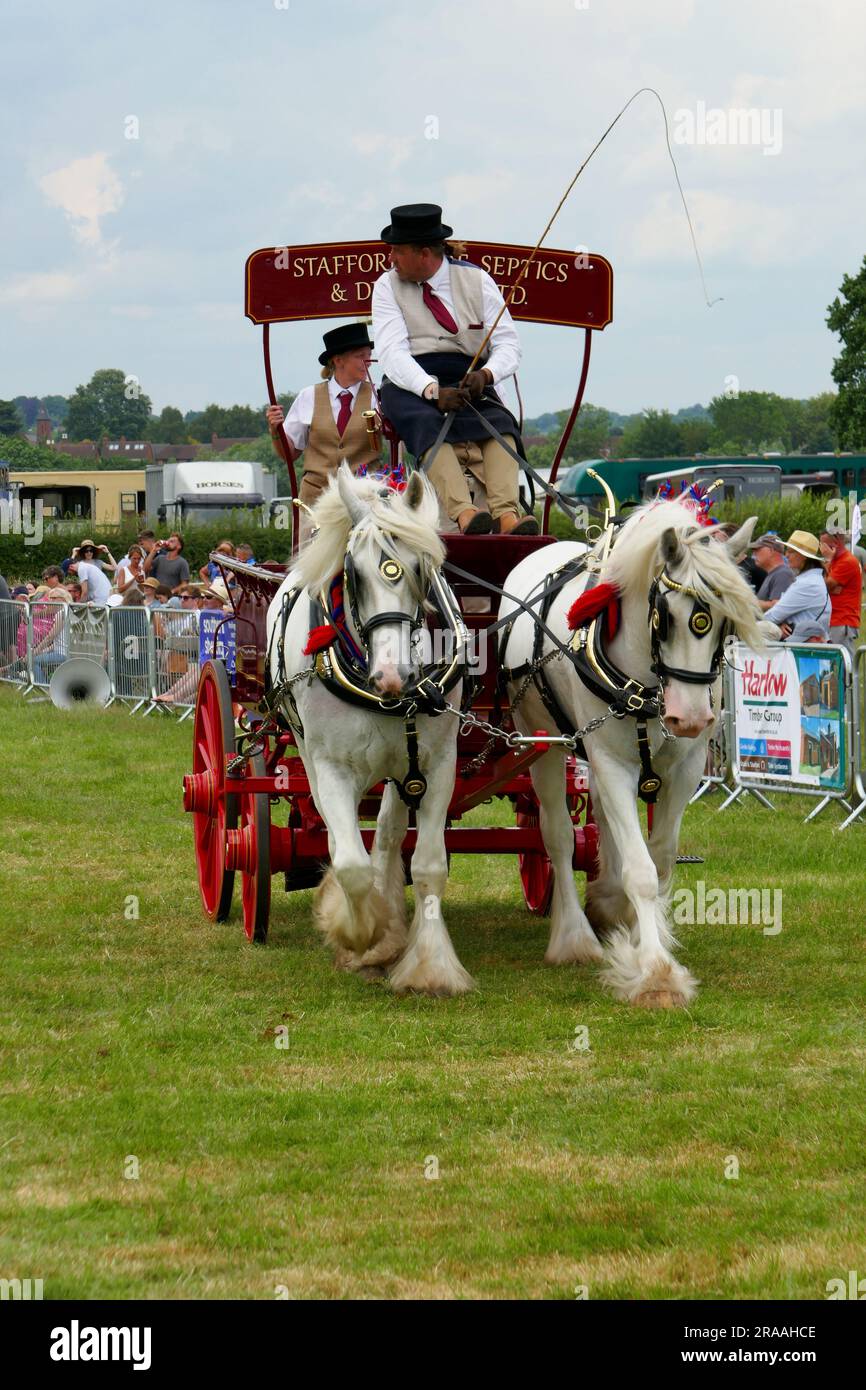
{"x":22,"y":562}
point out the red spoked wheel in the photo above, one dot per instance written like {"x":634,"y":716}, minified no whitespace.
{"x":214,"y":814}
{"x":248,"y":849}
{"x":536,"y":870}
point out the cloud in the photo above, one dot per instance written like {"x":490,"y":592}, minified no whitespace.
{"x":87,"y":190}
{"x":738,"y":230}
{"x":43,"y":287}
{"x":392,"y":150}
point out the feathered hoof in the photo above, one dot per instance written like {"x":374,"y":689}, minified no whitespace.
{"x":660,"y":999}
{"x":664,"y":985}
{"x":419,"y":974}
{"x":574,"y":950}
{"x":354,"y":933}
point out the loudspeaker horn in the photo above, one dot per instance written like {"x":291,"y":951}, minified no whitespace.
{"x":80,"y":681}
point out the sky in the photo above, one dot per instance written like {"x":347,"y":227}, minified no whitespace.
{"x":147,"y":149}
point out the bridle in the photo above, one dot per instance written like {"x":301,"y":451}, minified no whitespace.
{"x":700,"y":624}
{"x":391,"y":571}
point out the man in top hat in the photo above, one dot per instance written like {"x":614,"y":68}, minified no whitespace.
{"x":326,"y":422}
{"x":431,"y":314}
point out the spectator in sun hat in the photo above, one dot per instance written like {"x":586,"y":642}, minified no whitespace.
{"x":769,"y":553}
{"x":148,"y":588}
{"x":94,"y":554}
{"x":805,"y":600}
{"x":844,"y":579}
{"x":217,"y":596}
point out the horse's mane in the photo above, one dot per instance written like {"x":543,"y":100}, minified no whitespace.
{"x":388,"y":516}
{"x":706,"y":565}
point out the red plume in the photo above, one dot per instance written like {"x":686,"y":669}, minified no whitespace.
{"x":319,"y":638}
{"x":591,"y":603}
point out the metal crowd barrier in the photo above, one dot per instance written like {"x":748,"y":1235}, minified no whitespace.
{"x":175,"y":669}
{"x":858,"y":738}
{"x":758,"y":782}
{"x":47,"y":641}
{"x":131,"y":656}
{"x":716,"y":767}
{"x":13,"y":641}
{"x":151,"y":654}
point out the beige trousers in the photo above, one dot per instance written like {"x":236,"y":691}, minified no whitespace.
{"x":496,"y":470}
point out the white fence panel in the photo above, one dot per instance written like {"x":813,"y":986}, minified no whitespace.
{"x":13,"y":641}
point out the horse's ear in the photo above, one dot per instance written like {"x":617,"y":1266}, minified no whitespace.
{"x":738,"y":543}
{"x":415,"y":490}
{"x":353,"y":504}
{"x":672,"y":549}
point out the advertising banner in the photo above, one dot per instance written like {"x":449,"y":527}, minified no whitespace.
{"x":217,"y":639}
{"x":789,"y":716}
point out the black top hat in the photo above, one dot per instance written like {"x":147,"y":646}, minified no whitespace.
{"x":343,"y":339}
{"x":415,"y":224}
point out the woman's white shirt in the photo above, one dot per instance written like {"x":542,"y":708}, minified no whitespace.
{"x":300,"y":417}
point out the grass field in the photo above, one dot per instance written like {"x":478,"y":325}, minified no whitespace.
{"x":303,"y":1166}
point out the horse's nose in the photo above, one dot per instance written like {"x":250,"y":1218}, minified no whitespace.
{"x":689,"y":727}
{"x":388,"y":681}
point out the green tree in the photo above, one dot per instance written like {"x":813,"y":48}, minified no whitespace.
{"x":168,"y":427}
{"x":111,"y":403}
{"x":21,"y":455}
{"x":749,"y":418}
{"x":654,"y":435}
{"x":11,"y":421}
{"x":847,"y":317}
{"x":590,"y":434}
{"x":230,"y":422}
{"x":694,"y":436}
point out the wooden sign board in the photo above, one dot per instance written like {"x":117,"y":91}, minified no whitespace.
{"x":335,"y":280}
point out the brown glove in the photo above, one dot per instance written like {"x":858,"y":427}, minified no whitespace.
{"x":451,"y":398}
{"x":475,"y":382}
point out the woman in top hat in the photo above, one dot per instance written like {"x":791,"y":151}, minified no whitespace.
{"x":326,"y":422}
{"x":431,"y":315}
{"x":806,"y":601}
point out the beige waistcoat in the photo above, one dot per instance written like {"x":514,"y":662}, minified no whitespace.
{"x":425,"y":334}
{"x":326,"y":450}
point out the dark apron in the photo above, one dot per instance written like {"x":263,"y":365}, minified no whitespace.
{"x":418,"y":422}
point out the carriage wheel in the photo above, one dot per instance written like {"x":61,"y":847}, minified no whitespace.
{"x":536,"y":870}
{"x":254,"y":856}
{"x":214,"y":813}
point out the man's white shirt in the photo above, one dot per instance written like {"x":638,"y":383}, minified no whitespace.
{"x":300,"y":417}
{"x":98,"y":587}
{"x":392,"y":339}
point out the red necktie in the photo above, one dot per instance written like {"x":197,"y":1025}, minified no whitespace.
{"x":437,"y":309}
{"x":345,"y":399}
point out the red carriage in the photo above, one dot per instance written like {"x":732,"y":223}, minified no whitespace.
{"x":255,"y":815}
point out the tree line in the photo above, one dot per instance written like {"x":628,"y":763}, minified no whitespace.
{"x":112,"y":403}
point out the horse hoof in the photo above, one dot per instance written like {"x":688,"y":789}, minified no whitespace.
{"x":660,"y":999}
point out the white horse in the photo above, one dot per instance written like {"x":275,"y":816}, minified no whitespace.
{"x":347,"y":747}
{"x":707,"y":595}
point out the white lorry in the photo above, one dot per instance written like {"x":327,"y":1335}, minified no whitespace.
{"x":181,"y":492}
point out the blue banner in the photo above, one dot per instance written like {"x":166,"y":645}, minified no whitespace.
{"x":217,"y":639}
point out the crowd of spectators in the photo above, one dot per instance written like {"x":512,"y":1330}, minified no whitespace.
{"x":810,"y":587}
{"x":153,"y":573}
